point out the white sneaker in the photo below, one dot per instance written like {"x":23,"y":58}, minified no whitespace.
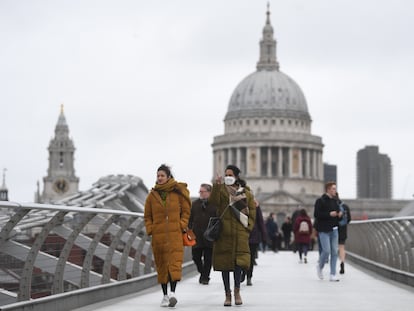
{"x":319,"y":272}
{"x":173,"y":300}
{"x":333,"y":278}
{"x":165,"y":301}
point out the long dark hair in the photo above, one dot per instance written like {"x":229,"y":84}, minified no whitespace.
{"x":236,"y":171}
{"x":165,"y":168}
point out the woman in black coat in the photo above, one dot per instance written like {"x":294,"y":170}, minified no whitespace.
{"x":258,"y":235}
{"x":342,"y":233}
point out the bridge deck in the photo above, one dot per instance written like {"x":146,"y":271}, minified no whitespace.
{"x":280,"y":283}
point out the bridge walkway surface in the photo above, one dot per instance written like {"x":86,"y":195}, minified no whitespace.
{"x":280,"y":282}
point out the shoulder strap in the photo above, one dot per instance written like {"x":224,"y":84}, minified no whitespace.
{"x":222,"y":214}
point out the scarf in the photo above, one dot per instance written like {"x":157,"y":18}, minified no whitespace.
{"x":238,"y":203}
{"x":172,"y":185}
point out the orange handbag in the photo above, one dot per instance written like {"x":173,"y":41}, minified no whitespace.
{"x":189,"y":238}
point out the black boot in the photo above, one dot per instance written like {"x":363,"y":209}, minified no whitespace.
{"x":342,"y":270}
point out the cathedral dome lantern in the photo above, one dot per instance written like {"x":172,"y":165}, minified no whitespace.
{"x":267,"y":134}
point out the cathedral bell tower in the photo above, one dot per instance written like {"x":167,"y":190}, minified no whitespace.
{"x":60,"y":180}
{"x":4,"y":192}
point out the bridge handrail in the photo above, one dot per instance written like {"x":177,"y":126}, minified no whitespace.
{"x":385,"y":246}
{"x":81,"y":209}
{"x":83,"y":259}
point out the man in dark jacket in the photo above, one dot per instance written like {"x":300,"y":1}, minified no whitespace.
{"x":287,"y":228}
{"x":272,"y":231}
{"x":327,"y":214}
{"x":201,"y":211}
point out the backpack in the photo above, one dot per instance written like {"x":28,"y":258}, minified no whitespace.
{"x":344,"y":220}
{"x":304,"y":227}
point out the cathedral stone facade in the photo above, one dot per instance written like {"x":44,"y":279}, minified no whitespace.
{"x":267,"y":134}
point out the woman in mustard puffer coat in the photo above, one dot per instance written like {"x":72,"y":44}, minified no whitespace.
{"x":166,"y":215}
{"x":231,"y":251}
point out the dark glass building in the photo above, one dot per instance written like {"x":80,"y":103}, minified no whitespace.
{"x":329,"y":173}
{"x":374,"y":174}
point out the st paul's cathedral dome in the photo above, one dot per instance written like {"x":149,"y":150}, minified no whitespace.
{"x":267,"y":134}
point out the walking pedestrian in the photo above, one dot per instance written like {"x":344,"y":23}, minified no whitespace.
{"x":166,"y":215}
{"x":272,"y":231}
{"x":287,"y":229}
{"x":343,"y":232}
{"x":231,"y":251}
{"x":303,"y":231}
{"x":201,"y":211}
{"x":327,"y":214}
{"x":257,"y":235}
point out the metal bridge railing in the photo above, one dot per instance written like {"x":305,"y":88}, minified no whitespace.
{"x":385,"y":246}
{"x":52,"y":249}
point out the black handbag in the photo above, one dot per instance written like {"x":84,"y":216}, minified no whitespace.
{"x":213,"y":230}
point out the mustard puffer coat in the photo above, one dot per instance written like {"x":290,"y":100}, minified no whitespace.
{"x":232,"y":247}
{"x":166,"y":224}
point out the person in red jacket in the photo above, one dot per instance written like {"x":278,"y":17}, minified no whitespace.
{"x":303,"y":232}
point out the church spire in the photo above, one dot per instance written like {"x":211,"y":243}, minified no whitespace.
{"x":3,"y":188}
{"x":4,"y":178}
{"x":267,"y":59}
{"x":62,"y":129}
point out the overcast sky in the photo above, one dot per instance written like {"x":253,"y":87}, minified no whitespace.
{"x":148,"y":82}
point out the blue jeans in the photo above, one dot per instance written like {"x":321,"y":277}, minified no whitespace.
{"x":329,"y":243}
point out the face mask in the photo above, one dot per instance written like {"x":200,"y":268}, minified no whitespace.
{"x":229,"y":180}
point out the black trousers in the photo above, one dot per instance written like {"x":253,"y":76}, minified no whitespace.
{"x":253,"y":256}
{"x":202,"y":259}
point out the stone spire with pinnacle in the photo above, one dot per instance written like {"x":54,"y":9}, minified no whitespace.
{"x":3,"y":189}
{"x":62,"y":129}
{"x":267,"y":59}
{"x":61,"y":150}
{"x":61,"y":179}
